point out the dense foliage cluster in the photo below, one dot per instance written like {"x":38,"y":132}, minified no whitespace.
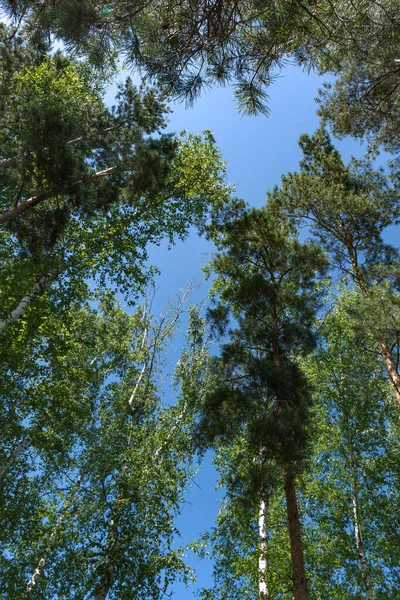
{"x":292,"y":374}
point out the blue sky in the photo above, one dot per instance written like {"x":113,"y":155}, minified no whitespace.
{"x":258,"y":150}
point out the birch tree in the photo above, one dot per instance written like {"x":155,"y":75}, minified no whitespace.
{"x":98,"y":489}
{"x":351,"y":485}
{"x":86,"y":187}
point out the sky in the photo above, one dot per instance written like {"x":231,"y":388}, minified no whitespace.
{"x":258,"y":151}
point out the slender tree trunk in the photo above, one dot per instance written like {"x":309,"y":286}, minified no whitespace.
{"x":108,"y":566}
{"x":300,"y":591}
{"x":19,"y":310}
{"x":34,"y":580}
{"x":384,"y":349}
{"x":361,"y":554}
{"x":391,"y":368}
{"x":5,"y":467}
{"x":263,"y":540}
{"x":15,"y":211}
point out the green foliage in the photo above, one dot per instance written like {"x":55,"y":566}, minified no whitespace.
{"x":355,"y":458}
{"x":107,"y":182}
{"x":266,"y":280}
{"x":252,"y":402}
{"x":348,"y":208}
{"x":92,"y":464}
{"x":186,"y":47}
{"x":91,"y":498}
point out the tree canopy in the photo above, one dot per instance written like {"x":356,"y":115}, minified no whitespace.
{"x":186,"y":46}
{"x":291,"y":376}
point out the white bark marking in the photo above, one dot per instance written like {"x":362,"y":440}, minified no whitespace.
{"x":19,"y":310}
{"x":362,"y":557}
{"x":4,"y":468}
{"x":262,"y":561}
{"x":34,"y":580}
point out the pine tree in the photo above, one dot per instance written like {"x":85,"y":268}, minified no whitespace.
{"x":348,"y":208}
{"x":186,"y":46}
{"x":259,"y":401}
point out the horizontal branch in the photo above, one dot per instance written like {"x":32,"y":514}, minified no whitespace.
{"x":15,"y":211}
{"x":14,"y":160}
{"x":19,"y":310}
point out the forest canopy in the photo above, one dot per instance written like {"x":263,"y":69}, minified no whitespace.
{"x":288,"y":372}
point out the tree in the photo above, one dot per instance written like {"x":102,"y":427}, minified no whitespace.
{"x":364,"y":101}
{"x":348,"y":208}
{"x":85,"y":198}
{"x":90,"y":472}
{"x":351,"y":484}
{"x":259,"y":401}
{"x":186,"y":46}
{"x":88,"y":505}
{"x":347,"y":492}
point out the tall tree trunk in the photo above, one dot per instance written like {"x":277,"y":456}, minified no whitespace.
{"x":361,"y":554}
{"x":107,"y":577}
{"x":36,"y":291}
{"x":300,"y":591}
{"x":263,"y":540}
{"x":391,"y":368}
{"x":34,"y":580}
{"x":108,"y":567}
{"x":5,"y":467}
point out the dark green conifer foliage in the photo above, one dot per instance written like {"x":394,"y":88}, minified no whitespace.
{"x":186,"y":46}
{"x":348,"y":208}
{"x":266,"y":298}
{"x":84,"y":187}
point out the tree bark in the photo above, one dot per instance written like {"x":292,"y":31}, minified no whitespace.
{"x":361,"y":553}
{"x":19,"y":310}
{"x":15,"y":211}
{"x":384,"y":348}
{"x":34,"y":580}
{"x":300,"y":591}
{"x":391,"y":368}
{"x":5,"y":467}
{"x":108,"y":576}
{"x":262,"y":561}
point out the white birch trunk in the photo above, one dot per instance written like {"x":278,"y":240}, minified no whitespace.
{"x":109,"y":566}
{"x":34,"y":580}
{"x":361,"y":554}
{"x":262,"y":561}
{"x":19,"y":310}
{"x":5,"y":467}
